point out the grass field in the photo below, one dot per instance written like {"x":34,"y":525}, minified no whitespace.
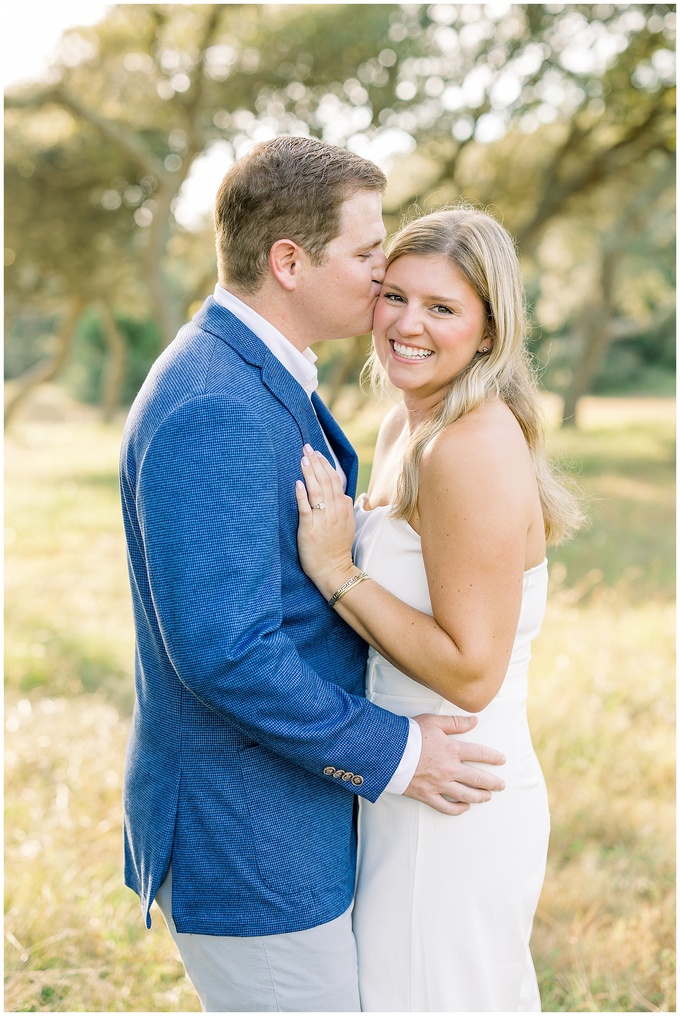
{"x":602,"y":708}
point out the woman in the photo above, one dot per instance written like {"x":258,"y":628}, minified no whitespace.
{"x":448,"y":585}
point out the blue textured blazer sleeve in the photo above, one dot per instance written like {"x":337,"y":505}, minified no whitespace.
{"x":208,"y":513}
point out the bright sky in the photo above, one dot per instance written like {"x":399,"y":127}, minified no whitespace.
{"x":31,"y":32}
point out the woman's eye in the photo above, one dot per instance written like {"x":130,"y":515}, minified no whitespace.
{"x":441,"y":309}
{"x":393,"y":297}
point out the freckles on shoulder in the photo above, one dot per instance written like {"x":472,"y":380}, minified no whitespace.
{"x":483,"y":451}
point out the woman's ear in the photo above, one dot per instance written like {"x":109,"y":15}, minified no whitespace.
{"x":284,"y":262}
{"x":487,"y":343}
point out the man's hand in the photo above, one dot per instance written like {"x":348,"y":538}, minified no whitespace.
{"x":443,"y":780}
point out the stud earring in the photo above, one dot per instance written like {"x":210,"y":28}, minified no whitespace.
{"x":485,"y":349}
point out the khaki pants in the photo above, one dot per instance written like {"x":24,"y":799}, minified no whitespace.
{"x":302,"y":971}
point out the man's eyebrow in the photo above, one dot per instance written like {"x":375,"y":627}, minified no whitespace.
{"x":369,"y":245}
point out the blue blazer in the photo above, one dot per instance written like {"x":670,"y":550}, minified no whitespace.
{"x":250,"y":736}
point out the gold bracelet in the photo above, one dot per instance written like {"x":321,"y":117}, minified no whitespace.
{"x":348,"y":585}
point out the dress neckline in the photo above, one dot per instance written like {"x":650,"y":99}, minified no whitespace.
{"x":360,"y":503}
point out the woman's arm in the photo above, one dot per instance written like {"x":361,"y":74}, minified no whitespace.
{"x":476,"y":497}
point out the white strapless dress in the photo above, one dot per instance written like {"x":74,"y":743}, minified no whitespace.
{"x":444,"y":904}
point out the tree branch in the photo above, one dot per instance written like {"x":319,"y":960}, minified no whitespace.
{"x":590,"y":173}
{"x":115,"y":364}
{"x":48,"y":368}
{"x":121,"y":135}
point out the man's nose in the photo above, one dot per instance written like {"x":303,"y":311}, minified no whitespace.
{"x":379,"y":267}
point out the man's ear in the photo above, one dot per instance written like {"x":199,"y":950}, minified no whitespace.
{"x":284,"y":262}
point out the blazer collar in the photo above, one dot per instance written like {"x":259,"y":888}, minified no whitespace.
{"x":226,"y":326}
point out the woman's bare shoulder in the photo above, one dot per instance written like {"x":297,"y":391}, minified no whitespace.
{"x":392,"y":426}
{"x":487,"y":440}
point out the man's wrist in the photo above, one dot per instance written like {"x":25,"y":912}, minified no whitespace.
{"x":409,"y":761}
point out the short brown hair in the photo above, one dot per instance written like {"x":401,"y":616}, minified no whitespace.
{"x":287,"y":188}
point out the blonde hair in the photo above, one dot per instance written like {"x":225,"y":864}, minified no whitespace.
{"x":484,"y":253}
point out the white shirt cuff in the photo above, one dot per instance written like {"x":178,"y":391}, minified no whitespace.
{"x":409,"y":761}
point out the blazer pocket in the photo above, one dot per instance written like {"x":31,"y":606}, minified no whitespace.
{"x":302,"y":825}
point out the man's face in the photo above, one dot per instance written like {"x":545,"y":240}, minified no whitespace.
{"x":340,"y":295}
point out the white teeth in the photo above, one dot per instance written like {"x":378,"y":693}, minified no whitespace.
{"x":410,"y":353}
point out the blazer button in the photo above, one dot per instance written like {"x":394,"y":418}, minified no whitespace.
{"x":357,"y":780}
{"x":338,"y":773}
{"x":348,"y":776}
{"x":329,"y":771}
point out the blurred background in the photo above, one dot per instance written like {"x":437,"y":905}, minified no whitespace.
{"x":560,"y":119}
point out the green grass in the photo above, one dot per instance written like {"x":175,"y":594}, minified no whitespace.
{"x":628,"y":471}
{"x":601,"y":712}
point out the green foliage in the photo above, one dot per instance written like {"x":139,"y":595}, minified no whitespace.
{"x":31,"y":335}
{"x":628,"y":472}
{"x":76,"y":243}
{"x":636,"y":365}
{"x":561,"y":117}
{"x":83,"y":377}
{"x":632,"y":368}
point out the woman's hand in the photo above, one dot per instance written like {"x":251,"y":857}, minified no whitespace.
{"x":326,"y":529}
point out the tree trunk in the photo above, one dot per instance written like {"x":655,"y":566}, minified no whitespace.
{"x":596,"y":339}
{"x":597,"y":334}
{"x":115,"y":364}
{"x":162,"y":302}
{"x":47,"y":369}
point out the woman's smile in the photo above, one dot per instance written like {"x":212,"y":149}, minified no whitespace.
{"x":405,"y":352}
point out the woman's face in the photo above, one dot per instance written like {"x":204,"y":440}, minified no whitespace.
{"x":428,"y":325}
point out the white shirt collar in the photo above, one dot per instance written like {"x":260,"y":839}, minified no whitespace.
{"x":300,"y":365}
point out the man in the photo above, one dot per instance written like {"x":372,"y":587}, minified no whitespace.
{"x":251,"y":736}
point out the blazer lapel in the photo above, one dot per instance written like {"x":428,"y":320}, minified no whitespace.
{"x":286,"y":389}
{"x":347,"y":457}
{"x":310,"y":417}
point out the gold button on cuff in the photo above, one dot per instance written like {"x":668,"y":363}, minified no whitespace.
{"x":340,"y":774}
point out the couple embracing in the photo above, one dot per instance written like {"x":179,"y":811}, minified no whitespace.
{"x":306,"y":668}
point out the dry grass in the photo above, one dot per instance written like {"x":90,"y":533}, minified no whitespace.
{"x":75,"y":939}
{"x":602,"y":716}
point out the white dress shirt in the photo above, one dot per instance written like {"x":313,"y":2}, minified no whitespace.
{"x":302,"y":366}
